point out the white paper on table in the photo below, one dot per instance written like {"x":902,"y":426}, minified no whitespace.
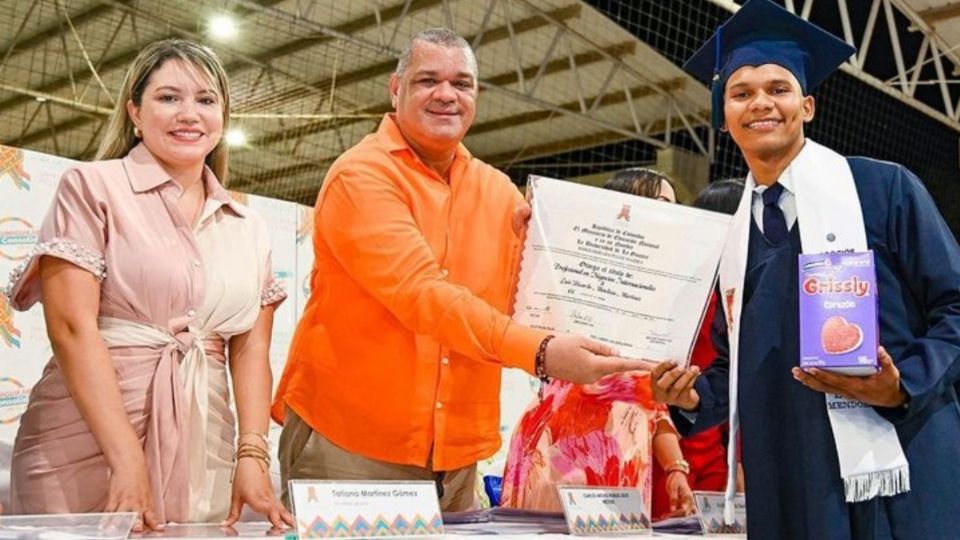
{"x":632,"y":272}
{"x":105,"y":525}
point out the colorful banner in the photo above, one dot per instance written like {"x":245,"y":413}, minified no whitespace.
{"x":282,"y":219}
{"x":27,"y":183}
{"x":304,"y":255}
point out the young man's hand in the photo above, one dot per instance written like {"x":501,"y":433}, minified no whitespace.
{"x":882,"y":389}
{"x":673,"y":385}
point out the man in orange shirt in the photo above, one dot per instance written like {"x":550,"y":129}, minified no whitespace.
{"x":394,"y":370}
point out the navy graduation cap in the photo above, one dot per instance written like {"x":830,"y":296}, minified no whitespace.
{"x":765,"y":33}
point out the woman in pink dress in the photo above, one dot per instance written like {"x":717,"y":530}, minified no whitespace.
{"x":601,"y":434}
{"x":156,"y":286}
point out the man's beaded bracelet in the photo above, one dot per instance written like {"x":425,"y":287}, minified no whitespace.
{"x":539,"y":364}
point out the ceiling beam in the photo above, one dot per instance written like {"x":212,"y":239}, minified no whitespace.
{"x":554,"y":147}
{"x":606,"y":100}
{"x":43,"y":132}
{"x":53,"y":30}
{"x":121,"y":60}
{"x":941,"y":13}
{"x":354,"y":26}
{"x":575,"y":143}
{"x":504,"y":79}
{"x":387,"y":66}
{"x":117,"y":61}
{"x":82,"y":74}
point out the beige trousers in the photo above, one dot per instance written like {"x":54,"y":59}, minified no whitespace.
{"x":305,"y":454}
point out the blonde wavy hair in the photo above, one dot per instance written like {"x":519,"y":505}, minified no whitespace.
{"x":119,"y":137}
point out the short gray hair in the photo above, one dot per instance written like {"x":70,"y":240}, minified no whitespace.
{"x":437,"y":36}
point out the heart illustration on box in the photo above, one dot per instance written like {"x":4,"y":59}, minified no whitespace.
{"x":839,"y":336}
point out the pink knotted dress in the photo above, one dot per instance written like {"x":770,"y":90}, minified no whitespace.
{"x":171,"y":295}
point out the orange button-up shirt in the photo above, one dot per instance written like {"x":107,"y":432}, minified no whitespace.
{"x":400,"y":347}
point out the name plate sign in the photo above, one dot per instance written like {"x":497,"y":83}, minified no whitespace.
{"x":710,"y":509}
{"x":592,"y":511}
{"x":359,"y":509}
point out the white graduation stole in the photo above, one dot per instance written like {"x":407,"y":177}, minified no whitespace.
{"x":872,"y":462}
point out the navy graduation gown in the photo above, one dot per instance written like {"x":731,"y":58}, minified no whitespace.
{"x":793,"y":484}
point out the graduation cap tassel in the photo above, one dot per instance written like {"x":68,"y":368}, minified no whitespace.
{"x":716,"y":87}
{"x":716,"y":103}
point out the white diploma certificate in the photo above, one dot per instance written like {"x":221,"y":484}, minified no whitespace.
{"x":632,"y":272}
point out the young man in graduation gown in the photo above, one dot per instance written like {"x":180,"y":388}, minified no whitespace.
{"x":826,"y":456}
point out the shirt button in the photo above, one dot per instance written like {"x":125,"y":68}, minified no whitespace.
{"x":439,"y":405}
{"x":445,"y":361}
{"x":192,"y":313}
{"x":196,"y":263}
{"x":445,"y":272}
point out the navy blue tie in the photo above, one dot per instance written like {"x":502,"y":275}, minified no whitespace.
{"x":774,"y":224}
